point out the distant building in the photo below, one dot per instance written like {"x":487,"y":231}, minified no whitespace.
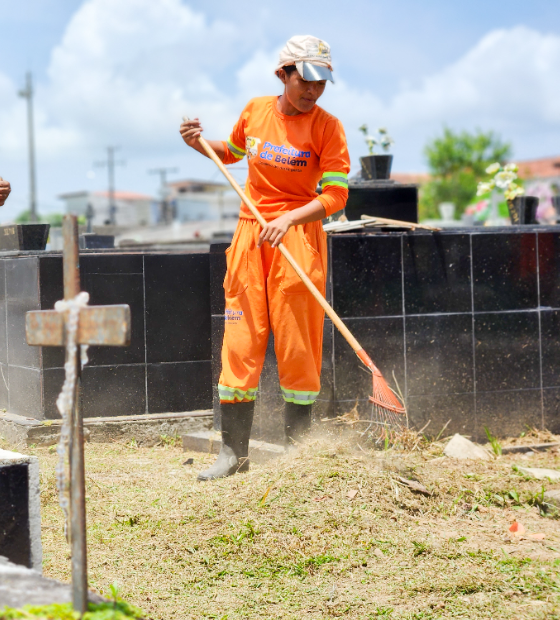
{"x":194,"y":200}
{"x":132,"y":209}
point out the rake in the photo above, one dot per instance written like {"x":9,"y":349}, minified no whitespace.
{"x":387,"y":407}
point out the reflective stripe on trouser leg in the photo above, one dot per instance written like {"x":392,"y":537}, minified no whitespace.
{"x":299,"y":398}
{"x":235,"y":395}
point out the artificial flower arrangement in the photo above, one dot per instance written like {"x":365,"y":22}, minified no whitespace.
{"x":383,"y":140}
{"x":505,"y":178}
{"x":479,"y":210}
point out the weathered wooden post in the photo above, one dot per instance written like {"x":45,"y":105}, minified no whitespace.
{"x":73,"y":324}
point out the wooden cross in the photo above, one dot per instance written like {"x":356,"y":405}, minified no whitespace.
{"x":97,"y":325}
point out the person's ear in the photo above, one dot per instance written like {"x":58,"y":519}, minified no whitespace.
{"x":282,"y":75}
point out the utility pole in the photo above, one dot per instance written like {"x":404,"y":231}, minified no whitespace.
{"x":27,"y":93}
{"x":164,"y":214}
{"x":111,"y":163}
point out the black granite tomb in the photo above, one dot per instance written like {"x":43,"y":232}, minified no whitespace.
{"x":167,"y":367}
{"x":467,"y":322}
{"x":396,"y":201}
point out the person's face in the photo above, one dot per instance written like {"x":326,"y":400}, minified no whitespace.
{"x":301,"y":94}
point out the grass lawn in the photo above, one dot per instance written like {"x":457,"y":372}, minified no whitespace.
{"x":331,"y":531}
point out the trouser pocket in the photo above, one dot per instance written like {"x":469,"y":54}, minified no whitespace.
{"x":308,"y":257}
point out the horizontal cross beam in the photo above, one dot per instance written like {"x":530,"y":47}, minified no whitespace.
{"x":97,"y":325}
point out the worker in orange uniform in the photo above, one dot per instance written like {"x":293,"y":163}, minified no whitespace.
{"x":291,"y":145}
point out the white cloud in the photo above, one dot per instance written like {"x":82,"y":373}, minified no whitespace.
{"x":509,"y":82}
{"x":125,"y":72}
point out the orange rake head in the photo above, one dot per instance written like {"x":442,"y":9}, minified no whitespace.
{"x":387,"y":408}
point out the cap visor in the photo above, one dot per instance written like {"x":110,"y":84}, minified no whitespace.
{"x":315,"y":73}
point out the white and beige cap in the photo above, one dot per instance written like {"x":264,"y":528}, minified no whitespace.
{"x":310,"y":55}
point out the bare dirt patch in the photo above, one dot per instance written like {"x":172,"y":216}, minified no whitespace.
{"x":329,"y":531}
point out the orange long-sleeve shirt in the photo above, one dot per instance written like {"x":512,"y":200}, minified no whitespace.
{"x":288,"y":156}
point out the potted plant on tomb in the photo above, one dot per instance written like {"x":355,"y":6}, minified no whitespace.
{"x":377,"y":167}
{"x":522,"y":209}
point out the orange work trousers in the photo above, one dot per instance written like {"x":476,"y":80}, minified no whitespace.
{"x":263,"y":292}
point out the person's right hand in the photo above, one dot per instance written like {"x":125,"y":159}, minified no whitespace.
{"x":190,"y":131}
{"x":5,"y":190}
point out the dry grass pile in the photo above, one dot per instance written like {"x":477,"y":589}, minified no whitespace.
{"x":329,"y":531}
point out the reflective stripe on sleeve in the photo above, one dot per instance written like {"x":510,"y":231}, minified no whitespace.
{"x":235,"y":150}
{"x":299,"y":398}
{"x":334,"y":178}
{"x":235,"y":394}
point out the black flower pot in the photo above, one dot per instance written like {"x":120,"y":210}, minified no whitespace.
{"x":523,"y":210}
{"x":376,"y":167}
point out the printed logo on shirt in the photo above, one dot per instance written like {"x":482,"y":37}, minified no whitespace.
{"x":233,"y":316}
{"x":285,"y":155}
{"x":252,"y":146}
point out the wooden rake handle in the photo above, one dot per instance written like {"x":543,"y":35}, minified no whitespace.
{"x":356,"y":346}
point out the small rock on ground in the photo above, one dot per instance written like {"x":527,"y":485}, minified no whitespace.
{"x":552,"y":497}
{"x":540,"y":474}
{"x":460,"y":447}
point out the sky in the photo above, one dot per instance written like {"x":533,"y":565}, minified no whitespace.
{"x":123,"y":73}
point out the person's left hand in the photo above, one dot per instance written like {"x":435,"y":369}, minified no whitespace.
{"x":5,"y":190}
{"x":274,"y":231}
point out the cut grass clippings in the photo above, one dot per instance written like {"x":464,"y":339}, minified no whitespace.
{"x":328,"y":531}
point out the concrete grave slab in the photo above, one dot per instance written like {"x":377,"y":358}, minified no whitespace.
{"x":21,"y":586}
{"x":20,"y":509}
{"x":211,"y":442}
{"x":146,"y":429}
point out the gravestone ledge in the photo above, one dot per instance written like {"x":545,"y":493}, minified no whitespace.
{"x":21,"y":586}
{"x":146,"y":429}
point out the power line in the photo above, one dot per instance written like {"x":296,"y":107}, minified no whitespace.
{"x":27,"y":93}
{"x":111,"y":163}
{"x":166,"y":214}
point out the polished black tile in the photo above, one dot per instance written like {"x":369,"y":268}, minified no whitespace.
{"x":217,"y":275}
{"x":269,"y":418}
{"x":179,"y":387}
{"x":53,"y":379}
{"x":50,"y":281}
{"x":111,"y":263}
{"x":397,"y":202}
{"x":437,"y":273}
{"x":504,"y":271}
{"x":328,"y":344}
{"x":217,"y":340}
{"x":507,"y":414}
{"x":51,"y":290}
{"x":22,"y":281}
{"x":366,"y":275}
{"x":109,"y":289}
{"x":551,"y":410}
{"x":383,"y":341}
{"x":549,"y":268}
{"x":507,"y":351}
{"x":3,"y":316}
{"x":177,"y":307}
{"x":439,"y":354}
{"x":25,"y":392}
{"x":4,"y":387}
{"x":432,"y":412}
{"x":22,"y":288}
{"x":19,"y":352}
{"x":113,"y":390}
{"x":550,"y":339}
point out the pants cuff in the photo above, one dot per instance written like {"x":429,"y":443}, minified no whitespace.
{"x":236,"y":395}
{"x":299,"y":398}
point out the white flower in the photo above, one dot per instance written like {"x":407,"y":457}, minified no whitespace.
{"x":503,"y":179}
{"x":514,"y":191}
{"x":484,"y":188}
{"x":493,"y":168}
{"x":511,"y":167}
{"x":382,"y":130}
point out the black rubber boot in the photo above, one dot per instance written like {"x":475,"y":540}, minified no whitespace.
{"x":237,"y":419}
{"x":297,"y":422}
